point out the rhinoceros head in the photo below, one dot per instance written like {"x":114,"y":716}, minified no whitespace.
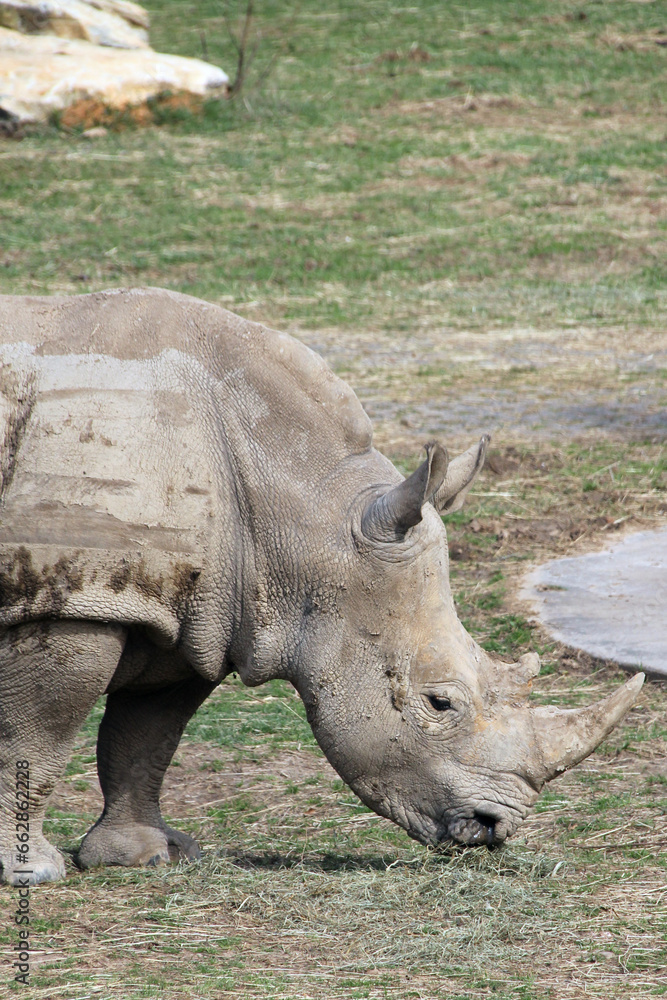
{"x":426,"y":727}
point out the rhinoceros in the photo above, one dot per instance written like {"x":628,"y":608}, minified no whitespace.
{"x":185,"y":494}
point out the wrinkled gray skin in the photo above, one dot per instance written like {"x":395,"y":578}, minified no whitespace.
{"x":185,"y":493}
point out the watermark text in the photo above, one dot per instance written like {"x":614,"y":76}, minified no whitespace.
{"x":22,"y":873}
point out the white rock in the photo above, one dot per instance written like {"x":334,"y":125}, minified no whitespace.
{"x":103,"y":22}
{"x":132,"y":12}
{"x":40,"y":74}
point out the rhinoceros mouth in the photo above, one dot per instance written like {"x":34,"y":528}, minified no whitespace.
{"x":484,"y":823}
{"x":480,"y":828}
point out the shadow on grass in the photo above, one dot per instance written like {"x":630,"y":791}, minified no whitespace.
{"x":497,"y":860}
{"x":275,"y":861}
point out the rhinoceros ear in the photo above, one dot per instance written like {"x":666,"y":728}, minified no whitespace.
{"x":388,"y":518}
{"x":461,"y":474}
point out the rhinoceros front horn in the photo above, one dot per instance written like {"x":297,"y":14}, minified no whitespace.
{"x":391,"y":515}
{"x":566,"y":736}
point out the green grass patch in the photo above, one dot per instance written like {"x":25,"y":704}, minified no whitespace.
{"x":357,"y":173}
{"x":269,"y":717}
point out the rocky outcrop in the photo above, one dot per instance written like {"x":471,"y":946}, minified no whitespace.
{"x":58,"y":53}
{"x":117,"y":23}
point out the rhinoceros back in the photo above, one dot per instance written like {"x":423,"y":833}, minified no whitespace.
{"x":127,"y":421}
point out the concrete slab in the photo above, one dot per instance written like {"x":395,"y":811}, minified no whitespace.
{"x":611,"y":604}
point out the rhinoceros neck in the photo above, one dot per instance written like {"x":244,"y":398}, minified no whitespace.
{"x":168,"y":433}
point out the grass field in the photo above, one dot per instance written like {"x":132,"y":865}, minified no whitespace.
{"x":463,"y":207}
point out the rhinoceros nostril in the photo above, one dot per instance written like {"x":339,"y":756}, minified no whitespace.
{"x":489,"y":824}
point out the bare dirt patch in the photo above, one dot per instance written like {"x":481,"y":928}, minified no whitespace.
{"x":519,"y":385}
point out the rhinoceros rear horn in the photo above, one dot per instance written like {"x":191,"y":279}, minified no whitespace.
{"x":388,"y":518}
{"x":461,"y":474}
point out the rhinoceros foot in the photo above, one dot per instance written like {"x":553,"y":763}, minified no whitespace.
{"x":43,"y":864}
{"x":135,"y":844}
{"x":181,"y":846}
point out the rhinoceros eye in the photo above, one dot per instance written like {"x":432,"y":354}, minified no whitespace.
{"x":438,"y":703}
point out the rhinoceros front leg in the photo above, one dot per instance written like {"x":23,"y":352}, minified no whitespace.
{"x":137,"y":739}
{"x":51,"y":673}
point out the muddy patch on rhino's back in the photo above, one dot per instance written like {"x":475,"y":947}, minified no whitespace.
{"x":96,"y":519}
{"x":47,"y":581}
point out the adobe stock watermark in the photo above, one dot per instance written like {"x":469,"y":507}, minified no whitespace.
{"x":22,"y":873}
